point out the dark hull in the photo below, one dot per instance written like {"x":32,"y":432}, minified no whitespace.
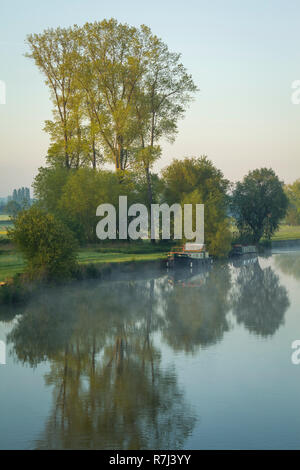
{"x":185,"y":261}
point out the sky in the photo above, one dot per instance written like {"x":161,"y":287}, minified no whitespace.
{"x":243,"y":56}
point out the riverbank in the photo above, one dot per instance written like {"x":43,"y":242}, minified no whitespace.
{"x":19,"y":290}
{"x":12,"y":263}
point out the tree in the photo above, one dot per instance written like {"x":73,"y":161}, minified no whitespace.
{"x":48,"y":187}
{"x":21,"y":196}
{"x":116,"y":89}
{"x":47,"y":245}
{"x":198,"y":181}
{"x":54,"y":52}
{"x":83,"y":192}
{"x":259,"y":204}
{"x":160,"y":101}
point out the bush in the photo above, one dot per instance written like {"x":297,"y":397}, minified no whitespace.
{"x":48,"y":246}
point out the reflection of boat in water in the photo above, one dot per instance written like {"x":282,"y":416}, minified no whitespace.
{"x":190,"y":277}
{"x":245,"y":260}
{"x":191,"y":255}
{"x":239,"y":250}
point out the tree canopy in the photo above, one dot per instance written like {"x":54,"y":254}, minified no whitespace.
{"x":198,"y":181}
{"x":116,"y":91}
{"x":259,"y":204}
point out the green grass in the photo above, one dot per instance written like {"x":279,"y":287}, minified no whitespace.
{"x":86,"y":257}
{"x":5,"y":222}
{"x":287,"y":232}
{"x":12,"y":262}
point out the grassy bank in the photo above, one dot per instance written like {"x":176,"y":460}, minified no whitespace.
{"x":287,"y":232}
{"x":5,"y":222}
{"x":12,"y":262}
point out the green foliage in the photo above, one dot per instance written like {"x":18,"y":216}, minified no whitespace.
{"x":197,"y":181}
{"x":259,"y":204}
{"x":48,"y":246}
{"x":85,"y":190}
{"x":48,"y":187}
{"x":184,"y":176}
{"x":116,"y":91}
{"x":293,"y":212}
{"x":21,"y":196}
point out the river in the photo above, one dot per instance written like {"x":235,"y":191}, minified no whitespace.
{"x":172,"y":360}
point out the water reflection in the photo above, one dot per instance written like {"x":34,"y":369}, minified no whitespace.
{"x":289,"y":264}
{"x":258,"y":300}
{"x":196,"y":308}
{"x":110,"y":389}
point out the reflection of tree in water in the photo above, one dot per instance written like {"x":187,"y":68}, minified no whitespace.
{"x":109,"y":390}
{"x":258,"y":300}
{"x":289,"y":263}
{"x":196,"y":315}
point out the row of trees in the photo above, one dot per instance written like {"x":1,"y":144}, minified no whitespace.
{"x":68,"y":198}
{"x":21,"y":195}
{"x":73,"y":196}
{"x":19,"y":200}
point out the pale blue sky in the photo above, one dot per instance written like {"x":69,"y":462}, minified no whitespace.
{"x":243,"y":55}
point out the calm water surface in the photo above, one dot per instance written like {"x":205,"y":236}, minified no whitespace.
{"x":189,"y":360}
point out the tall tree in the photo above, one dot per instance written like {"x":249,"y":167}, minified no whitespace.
{"x":54,"y":52}
{"x":117,"y":90}
{"x":198,"y":181}
{"x":161,"y":100}
{"x":110,"y":67}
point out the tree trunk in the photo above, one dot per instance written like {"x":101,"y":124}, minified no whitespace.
{"x":94,"y":155}
{"x":150,"y":195}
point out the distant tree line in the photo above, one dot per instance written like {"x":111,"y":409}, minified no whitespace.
{"x":21,"y":195}
{"x":19,"y":201}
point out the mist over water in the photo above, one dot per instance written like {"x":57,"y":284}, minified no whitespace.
{"x":164,"y":360}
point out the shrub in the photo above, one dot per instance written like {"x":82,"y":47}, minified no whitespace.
{"x":47,"y":245}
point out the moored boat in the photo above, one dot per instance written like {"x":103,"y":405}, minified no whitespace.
{"x":190,"y":254}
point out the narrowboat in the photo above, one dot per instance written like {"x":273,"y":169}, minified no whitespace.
{"x":190,"y":255}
